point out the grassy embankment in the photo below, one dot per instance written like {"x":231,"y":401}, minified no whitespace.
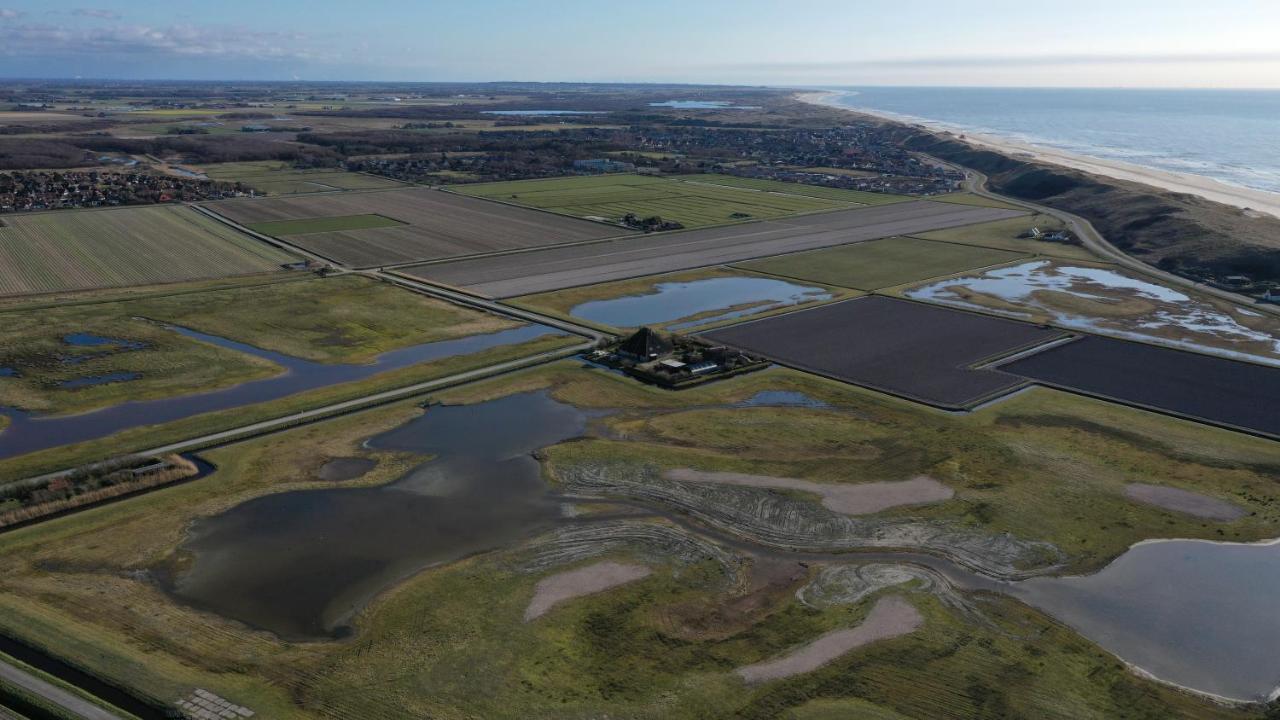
{"x":560,"y":303}
{"x":31,"y":706}
{"x":881,"y":263}
{"x":86,"y":249}
{"x":1044,"y":464}
{"x":692,"y":204}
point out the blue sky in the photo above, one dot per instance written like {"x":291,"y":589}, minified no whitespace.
{"x":1092,"y":43}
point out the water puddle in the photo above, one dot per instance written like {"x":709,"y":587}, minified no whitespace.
{"x":301,"y":563}
{"x":91,"y":380}
{"x":91,"y":340}
{"x":782,"y":398}
{"x":736,"y":296}
{"x":29,"y":433}
{"x":342,"y":469}
{"x":8,"y":372}
{"x":1170,"y":318}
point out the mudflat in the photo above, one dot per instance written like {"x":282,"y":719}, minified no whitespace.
{"x":594,"y":578}
{"x":1183,"y":501}
{"x":850,"y":499}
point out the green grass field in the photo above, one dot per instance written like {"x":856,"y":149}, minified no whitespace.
{"x":275,"y":177}
{"x":1003,"y":234}
{"x":324,"y":224}
{"x":1044,"y":464}
{"x":86,"y":249}
{"x":791,"y":188}
{"x":609,"y":197}
{"x":342,"y":319}
{"x":881,"y":263}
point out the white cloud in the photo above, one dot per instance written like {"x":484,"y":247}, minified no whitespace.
{"x":10,"y":14}
{"x":44,"y":40}
{"x":96,"y":13}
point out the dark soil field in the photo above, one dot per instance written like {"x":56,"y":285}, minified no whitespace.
{"x":1212,"y":389}
{"x":917,"y":351}
{"x":436,"y":225}
{"x":558,"y":268}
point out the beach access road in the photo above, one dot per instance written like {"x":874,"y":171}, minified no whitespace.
{"x":555,"y":268}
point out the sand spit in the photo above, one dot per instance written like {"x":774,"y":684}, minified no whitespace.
{"x":890,"y":617}
{"x":1208,"y":188}
{"x":1184,"y":501}
{"x":849,"y":499}
{"x":583,"y":581}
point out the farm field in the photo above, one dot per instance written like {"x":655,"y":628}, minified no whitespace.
{"x":609,"y":197}
{"x":82,"y":586}
{"x":326,"y":224}
{"x":1218,"y":390}
{"x":275,"y":177}
{"x":791,"y":188}
{"x":334,"y":320}
{"x":881,"y":263}
{"x":905,"y":348}
{"x":557,"y":268}
{"x":86,"y":249}
{"x":434,"y":225}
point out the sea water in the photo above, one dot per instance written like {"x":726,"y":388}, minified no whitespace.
{"x":1229,"y":135}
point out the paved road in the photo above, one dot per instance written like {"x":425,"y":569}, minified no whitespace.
{"x":1093,"y":240}
{"x":72,"y":703}
{"x":561,"y":267}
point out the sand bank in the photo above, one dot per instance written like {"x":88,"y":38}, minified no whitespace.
{"x":1184,"y":501}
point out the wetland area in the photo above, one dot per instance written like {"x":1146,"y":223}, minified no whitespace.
{"x":303,"y":563}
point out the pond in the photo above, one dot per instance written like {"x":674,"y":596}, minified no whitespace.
{"x":544,"y":112}
{"x":29,"y":433}
{"x":735,"y":296}
{"x":302,"y":563}
{"x":703,"y":105}
{"x":1195,"y":613}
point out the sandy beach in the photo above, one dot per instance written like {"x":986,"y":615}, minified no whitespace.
{"x":1241,"y":197}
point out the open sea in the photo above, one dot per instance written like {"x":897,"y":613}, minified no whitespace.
{"x":1229,"y":135}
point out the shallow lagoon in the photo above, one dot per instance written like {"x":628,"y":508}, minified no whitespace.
{"x":1174,"y":318}
{"x":301,"y":563}
{"x":1191,"y":612}
{"x":29,"y":433}
{"x":677,"y":300}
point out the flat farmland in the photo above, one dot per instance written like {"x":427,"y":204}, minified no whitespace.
{"x":894,"y":346}
{"x":563,"y":267}
{"x":428,"y":225}
{"x":1213,"y":389}
{"x":790,"y":188}
{"x":692,"y":204}
{"x":274,"y":177}
{"x":882,"y":263}
{"x":86,"y":249}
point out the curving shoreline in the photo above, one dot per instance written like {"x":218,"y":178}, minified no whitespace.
{"x":1259,"y":201}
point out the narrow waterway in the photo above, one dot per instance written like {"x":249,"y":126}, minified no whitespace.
{"x":28,"y":432}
